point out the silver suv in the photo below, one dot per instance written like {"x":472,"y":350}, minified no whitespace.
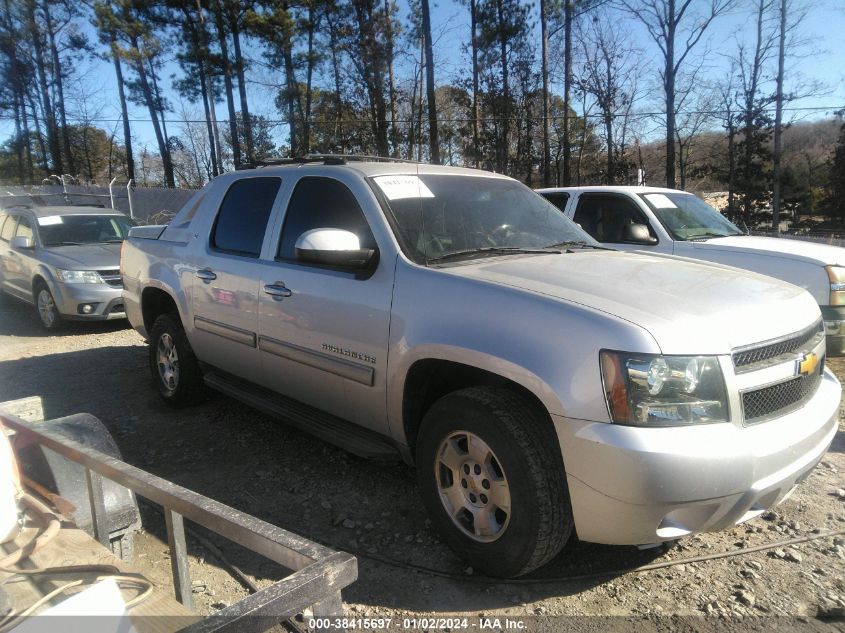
{"x":65,"y":260}
{"x":539,"y":382}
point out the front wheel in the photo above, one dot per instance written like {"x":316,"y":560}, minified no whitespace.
{"x":48,"y":313}
{"x":173,"y":364}
{"x":491,"y":476}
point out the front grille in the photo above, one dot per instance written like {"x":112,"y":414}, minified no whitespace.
{"x":779,"y":399}
{"x":112,"y":277}
{"x":771,"y":353}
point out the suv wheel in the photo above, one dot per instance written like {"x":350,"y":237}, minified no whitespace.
{"x":173,"y":364}
{"x":48,"y":313}
{"x":491,"y":476}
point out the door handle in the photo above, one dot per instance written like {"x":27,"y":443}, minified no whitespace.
{"x":206,"y":274}
{"x":277,"y":290}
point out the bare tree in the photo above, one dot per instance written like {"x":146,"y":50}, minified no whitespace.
{"x":608,"y":73}
{"x":433,"y":142}
{"x":676,"y":29}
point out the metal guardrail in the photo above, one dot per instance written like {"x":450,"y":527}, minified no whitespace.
{"x":319,"y":573}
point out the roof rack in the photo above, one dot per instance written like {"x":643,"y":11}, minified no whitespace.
{"x":325,"y":159}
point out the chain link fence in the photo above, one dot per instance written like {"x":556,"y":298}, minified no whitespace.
{"x":144,"y":204}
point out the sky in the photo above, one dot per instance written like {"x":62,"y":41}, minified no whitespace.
{"x":822,"y":60}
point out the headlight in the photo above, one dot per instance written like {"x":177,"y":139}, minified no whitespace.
{"x":836,"y":275}
{"x":651,"y":390}
{"x":79,"y":276}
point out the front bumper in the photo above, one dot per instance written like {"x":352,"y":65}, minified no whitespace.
{"x":106,"y":301}
{"x":631,"y":485}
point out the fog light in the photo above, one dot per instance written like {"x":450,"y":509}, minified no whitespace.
{"x":87,"y":308}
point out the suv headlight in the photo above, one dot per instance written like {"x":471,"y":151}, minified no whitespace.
{"x":653,"y":390}
{"x":79,"y":276}
{"x":836,"y":275}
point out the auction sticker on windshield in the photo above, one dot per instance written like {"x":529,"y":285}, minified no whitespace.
{"x":660,"y":201}
{"x":399,"y":187}
{"x":48,"y":220}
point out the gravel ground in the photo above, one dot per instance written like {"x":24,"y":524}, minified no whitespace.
{"x":231,"y":453}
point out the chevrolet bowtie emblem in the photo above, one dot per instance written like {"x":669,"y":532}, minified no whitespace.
{"x":806,"y":365}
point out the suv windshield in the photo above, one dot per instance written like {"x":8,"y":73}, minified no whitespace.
{"x":67,"y":230}
{"x":688,"y":217}
{"x":442,"y":217}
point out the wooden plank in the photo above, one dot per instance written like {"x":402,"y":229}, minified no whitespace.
{"x":179,"y":558}
{"x":73,"y":546}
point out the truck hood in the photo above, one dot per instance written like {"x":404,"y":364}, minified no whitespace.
{"x":688,"y":307}
{"x":801,"y":250}
{"x":82,"y":257}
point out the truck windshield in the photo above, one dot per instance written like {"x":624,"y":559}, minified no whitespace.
{"x":448,"y":217}
{"x":688,"y":217}
{"x":71,"y":230}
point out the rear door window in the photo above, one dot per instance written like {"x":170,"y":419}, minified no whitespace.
{"x":242,"y":219}
{"x":558,"y":199}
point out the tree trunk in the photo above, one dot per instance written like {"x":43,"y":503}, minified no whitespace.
{"x":338,"y":99}
{"x":227,"y":82}
{"x":776,"y":194}
{"x":433,"y":141}
{"x":567,"y":92}
{"x":473,"y":9}
{"x":205,"y":85}
{"x":503,"y":152}
{"x":239,"y":70}
{"x":547,"y":150}
{"x":59,"y":84}
{"x":391,"y":84}
{"x":45,"y":166}
{"x":309,"y":76}
{"x":420,"y":104}
{"x":292,"y":98}
{"x":669,"y":87}
{"x":121,"y":91}
{"x":49,"y":117}
{"x":27,"y":139}
{"x":151,"y":107}
{"x":159,"y":105}
{"x":608,"y":129}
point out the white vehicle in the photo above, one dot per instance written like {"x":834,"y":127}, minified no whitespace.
{"x":656,"y":220}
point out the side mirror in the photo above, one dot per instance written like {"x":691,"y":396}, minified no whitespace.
{"x":22,"y":242}
{"x":638,"y":234}
{"x":333,"y":247}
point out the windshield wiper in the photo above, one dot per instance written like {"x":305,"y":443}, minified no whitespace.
{"x":578,"y":244}
{"x":490,"y":250}
{"x":63,"y":244}
{"x":708,"y":235}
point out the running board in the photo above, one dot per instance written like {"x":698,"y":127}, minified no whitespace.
{"x":348,"y":436}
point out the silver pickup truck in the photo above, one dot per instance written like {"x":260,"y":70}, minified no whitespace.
{"x":539,"y":382}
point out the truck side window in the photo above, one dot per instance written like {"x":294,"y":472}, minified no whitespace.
{"x":242,"y":218}
{"x":322,"y":203}
{"x":557,"y":199}
{"x":604,"y":216}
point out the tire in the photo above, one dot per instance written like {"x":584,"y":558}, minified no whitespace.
{"x":45,"y":305}
{"x":178,"y":377}
{"x":520,"y":449}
